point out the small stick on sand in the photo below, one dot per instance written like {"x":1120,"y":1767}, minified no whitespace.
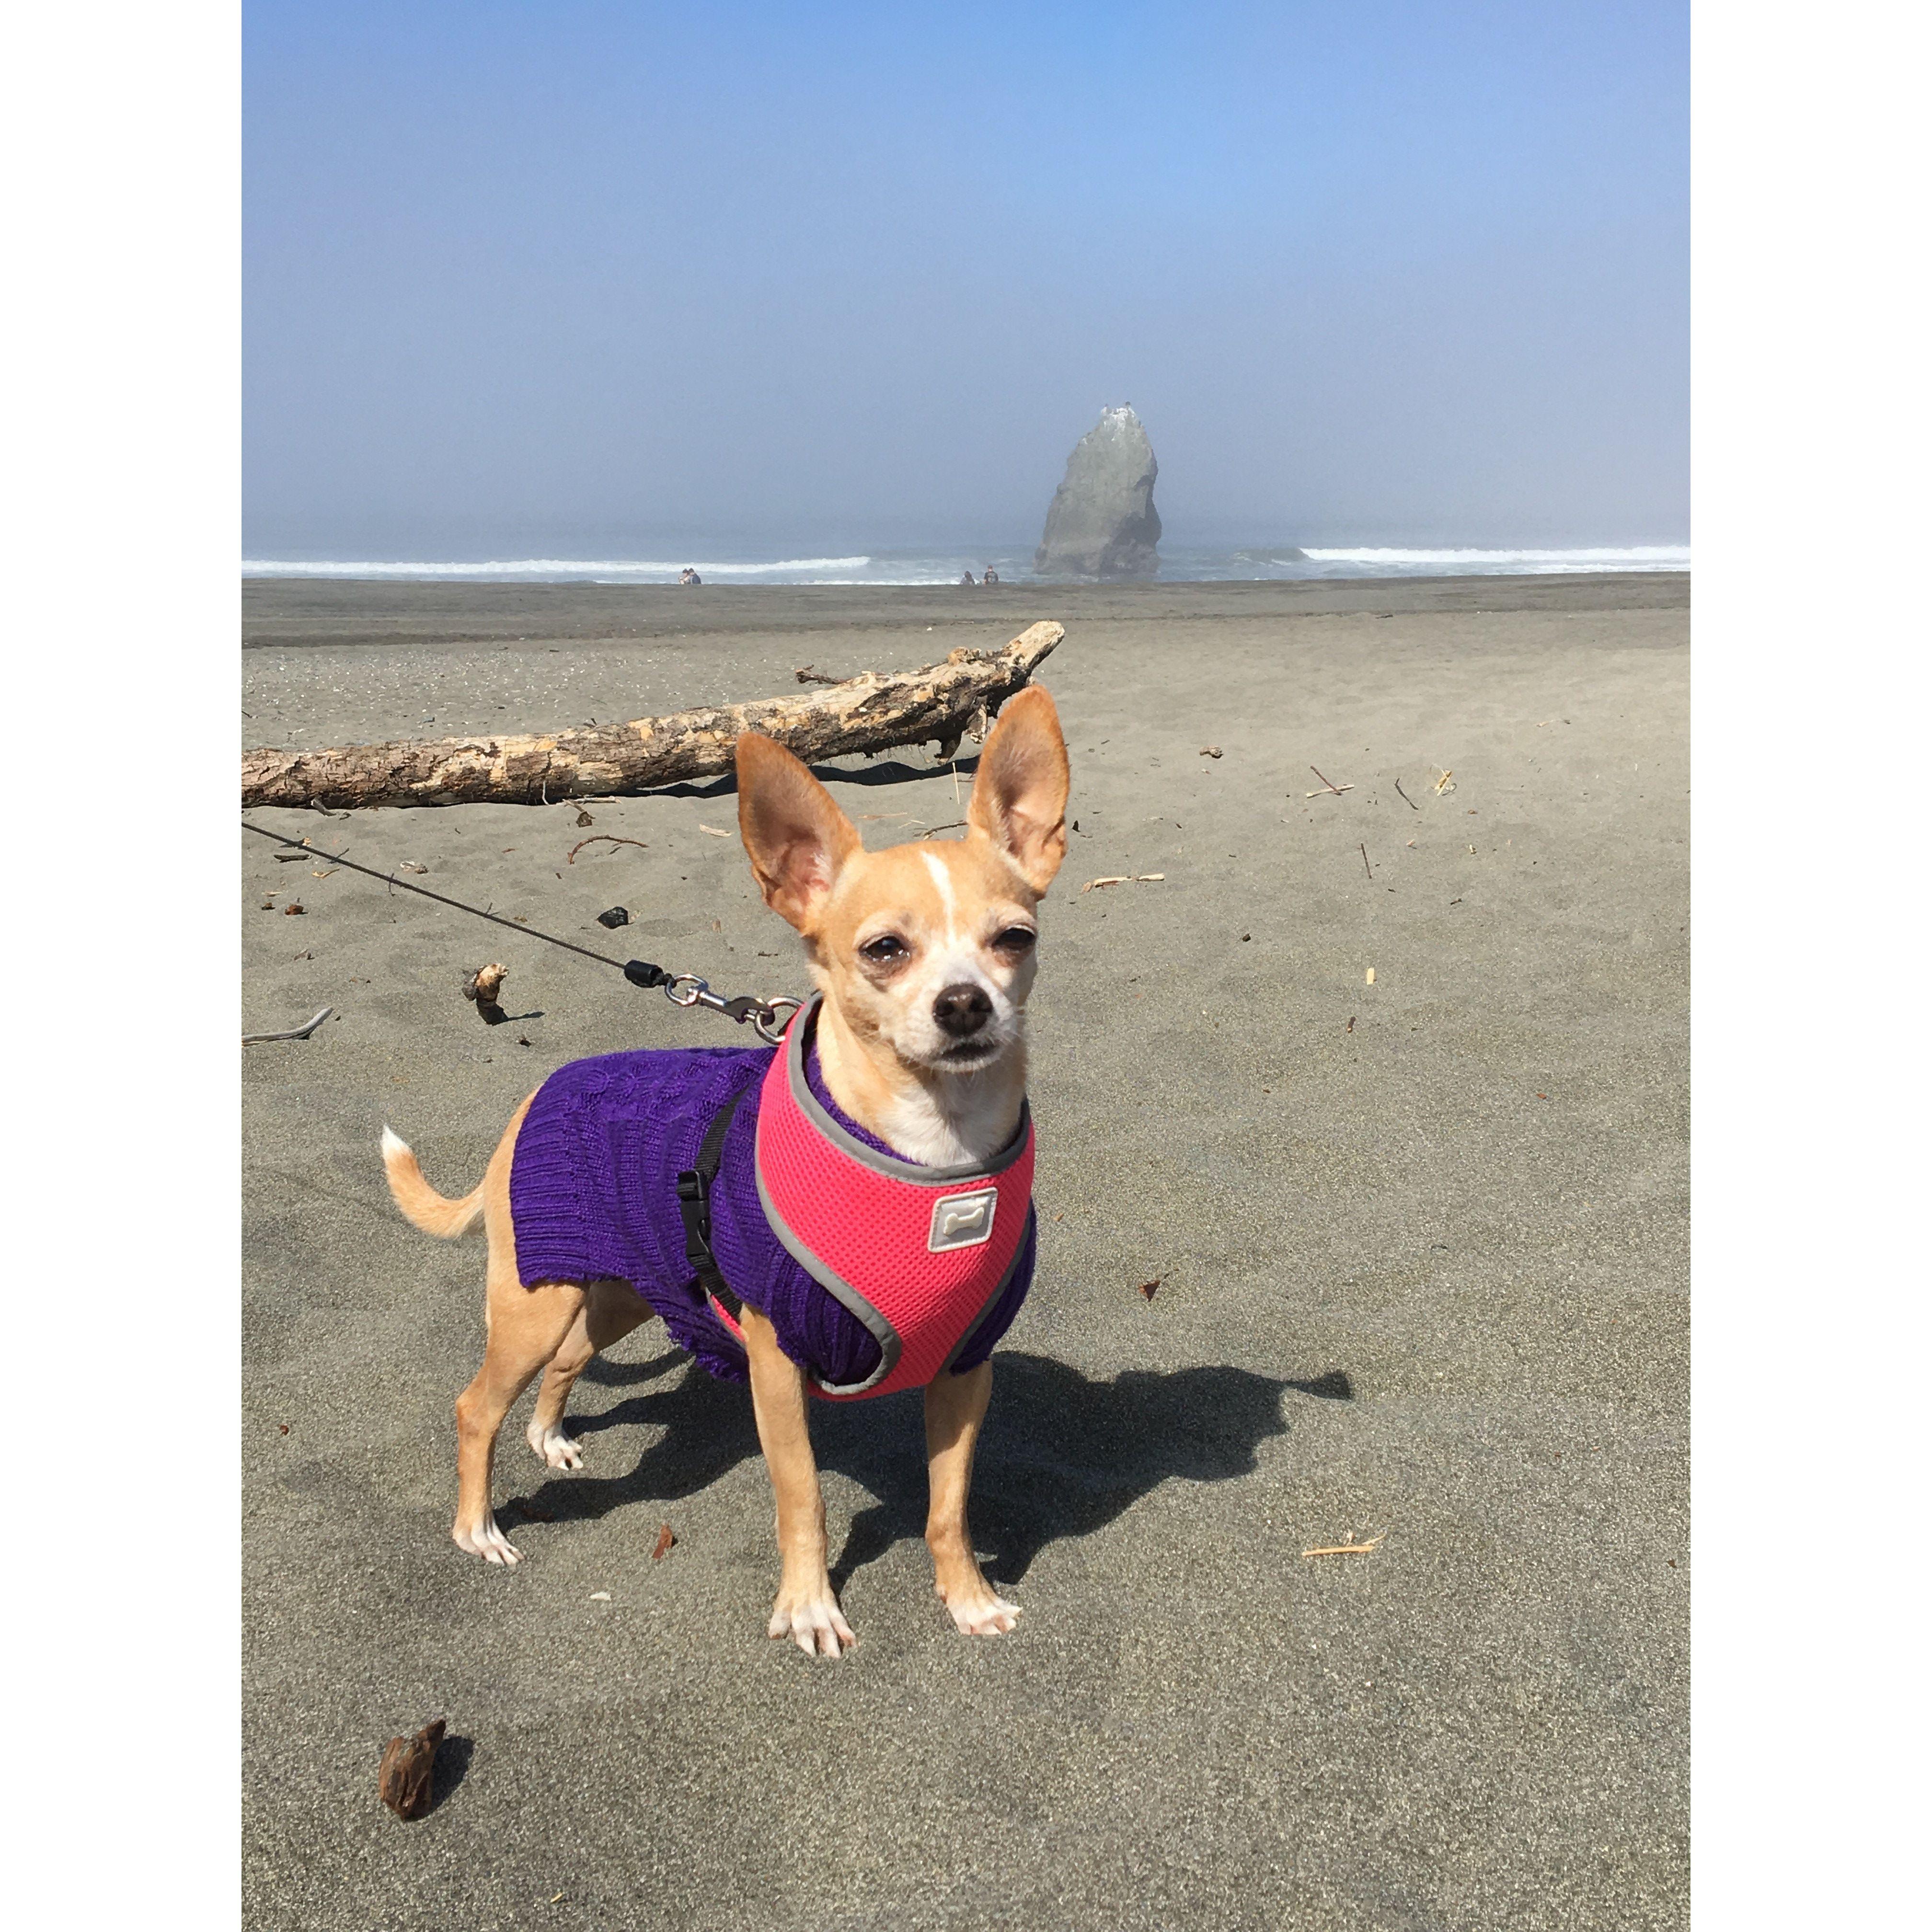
{"x":812,"y":674}
{"x":1350,"y":1549}
{"x":1326,"y":787}
{"x":1366,"y":866}
{"x":602,"y":838}
{"x":951,"y":825}
{"x":1405,"y":799}
{"x":294,"y":1033}
{"x":1126,"y":879}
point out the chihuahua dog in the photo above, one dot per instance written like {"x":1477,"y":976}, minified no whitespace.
{"x":904,"y":1080}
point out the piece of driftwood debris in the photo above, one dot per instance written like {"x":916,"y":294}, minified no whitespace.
{"x":812,"y":674}
{"x":1209,"y":751}
{"x":1125,"y":879}
{"x":293,"y":1033}
{"x":871,"y":712}
{"x":662,"y":1548}
{"x":601,"y":838}
{"x":1351,"y":1548}
{"x":408,"y":1770}
{"x":1326,"y":787}
{"x":483,"y":985}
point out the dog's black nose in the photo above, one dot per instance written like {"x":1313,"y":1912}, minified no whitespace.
{"x":962,"y":1010}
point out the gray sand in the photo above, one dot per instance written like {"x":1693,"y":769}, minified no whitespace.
{"x":1426,"y":1277}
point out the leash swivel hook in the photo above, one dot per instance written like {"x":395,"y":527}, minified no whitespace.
{"x":687,"y":989}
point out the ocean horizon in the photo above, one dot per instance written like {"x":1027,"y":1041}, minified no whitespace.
{"x":1180,"y":564}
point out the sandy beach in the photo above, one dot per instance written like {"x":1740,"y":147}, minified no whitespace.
{"x":1420,"y":1244}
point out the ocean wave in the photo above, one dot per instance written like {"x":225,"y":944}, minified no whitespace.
{"x":619,"y":571}
{"x":1180,"y":564}
{"x":1641,"y":556}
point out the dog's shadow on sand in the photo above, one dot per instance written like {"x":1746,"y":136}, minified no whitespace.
{"x":883,"y":771}
{"x":1061,"y":1456}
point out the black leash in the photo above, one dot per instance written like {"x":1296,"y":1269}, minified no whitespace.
{"x":682,"y":989}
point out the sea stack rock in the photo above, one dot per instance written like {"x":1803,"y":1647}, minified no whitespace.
{"x":1102,"y":522}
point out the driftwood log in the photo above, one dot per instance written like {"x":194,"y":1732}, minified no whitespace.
{"x":871,"y":712}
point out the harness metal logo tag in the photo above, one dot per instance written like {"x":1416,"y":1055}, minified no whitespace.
{"x":963,"y":1220}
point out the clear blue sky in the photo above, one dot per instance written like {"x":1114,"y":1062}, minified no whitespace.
{"x":840,"y":276}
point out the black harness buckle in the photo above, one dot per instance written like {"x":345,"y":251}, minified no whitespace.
{"x":694,"y":1205}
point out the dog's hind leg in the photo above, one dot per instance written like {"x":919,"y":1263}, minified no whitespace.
{"x":611,"y":1309}
{"x":527,"y":1326}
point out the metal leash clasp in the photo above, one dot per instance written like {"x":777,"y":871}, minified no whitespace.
{"x":767,"y":1023}
{"x":687,"y":989}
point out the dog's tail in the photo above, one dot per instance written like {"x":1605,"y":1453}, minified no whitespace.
{"x":422,"y":1206}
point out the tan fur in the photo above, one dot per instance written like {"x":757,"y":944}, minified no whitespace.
{"x":892,"y":1062}
{"x":422,"y":1206}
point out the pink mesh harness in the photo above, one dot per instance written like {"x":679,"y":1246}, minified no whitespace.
{"x":919,"y":1254}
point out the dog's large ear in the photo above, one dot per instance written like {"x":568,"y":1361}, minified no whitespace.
{"x":797,"y":838}
{"x":1019,"y":793}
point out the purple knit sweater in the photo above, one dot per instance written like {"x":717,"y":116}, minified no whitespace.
{"x":593,"y":1196}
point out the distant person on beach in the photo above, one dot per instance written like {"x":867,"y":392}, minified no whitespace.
{"x":970,"y":578}
{"x":992,"y":576}
{"x":688,"y":575}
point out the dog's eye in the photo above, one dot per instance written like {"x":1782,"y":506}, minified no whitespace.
{"x":884,"y":949}
{"x":1016,"y":939}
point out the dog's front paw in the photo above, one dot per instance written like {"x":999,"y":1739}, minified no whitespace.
{"x":810,"y":1617}
{"x":977,"y":1610}
{"x":489,"y":1542}
{"x":559,"y":1450}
